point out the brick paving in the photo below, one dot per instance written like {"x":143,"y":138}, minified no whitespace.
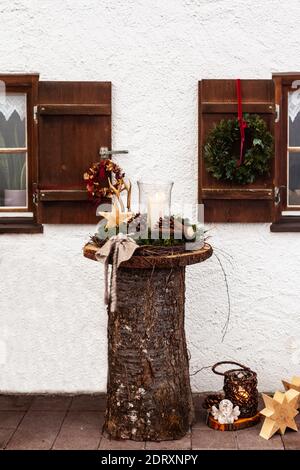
{"x":43,"y":422}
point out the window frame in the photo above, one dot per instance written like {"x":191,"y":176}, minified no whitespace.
{"x":16,"y":223}
{"x":289,"y":148}
{"x":285,"y":218}
{"x":25,"y":149}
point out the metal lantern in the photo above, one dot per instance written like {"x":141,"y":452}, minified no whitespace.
{"x":240,"y":387}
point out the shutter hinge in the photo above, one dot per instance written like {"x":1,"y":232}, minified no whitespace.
{"x":277,"y":194}
{"x":277,"y":112}
{"x":35,"y":114}
{"x":35,"y":194}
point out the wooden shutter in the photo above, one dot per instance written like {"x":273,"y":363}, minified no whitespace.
{"x":74,"y":121}
{"x":225,"y":202}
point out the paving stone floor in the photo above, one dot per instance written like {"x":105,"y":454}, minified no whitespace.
{"x":74,"y":422}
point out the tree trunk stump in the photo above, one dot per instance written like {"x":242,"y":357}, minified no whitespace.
{"x":148,"y":394}
{"x":148,"y":390}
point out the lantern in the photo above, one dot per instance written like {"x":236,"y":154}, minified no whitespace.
{"x":240,"y":387}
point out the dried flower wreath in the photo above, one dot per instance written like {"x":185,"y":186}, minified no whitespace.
{"x":96,"y":176}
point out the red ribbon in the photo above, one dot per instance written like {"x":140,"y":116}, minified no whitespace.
{"x":242,"y":123}
{"x":102,"y":172}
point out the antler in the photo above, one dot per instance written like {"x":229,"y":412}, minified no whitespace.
{"x":123,"y":187}
{"x":117,"y":193}
{"x":128,"y":189}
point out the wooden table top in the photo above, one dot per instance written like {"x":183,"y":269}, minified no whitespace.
{"x":137,"y":261}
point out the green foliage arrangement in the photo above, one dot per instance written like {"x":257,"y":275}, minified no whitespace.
{"x":222,"y":150}
{"x":166,"y":229}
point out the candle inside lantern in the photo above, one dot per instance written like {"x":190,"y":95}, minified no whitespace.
{"x":156,"y":208}
{"x":243,"y":394}
{"x":155,"y":200}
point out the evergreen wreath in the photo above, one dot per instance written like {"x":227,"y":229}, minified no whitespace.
{"x":222,"y":149}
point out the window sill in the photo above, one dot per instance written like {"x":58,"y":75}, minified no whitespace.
{"x":286,"y":224}
{"x":19,"y":225}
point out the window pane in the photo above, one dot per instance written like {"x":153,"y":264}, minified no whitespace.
{"x":294,"y":179}
{"x":13,"y":180}
{"x":13,"y":121}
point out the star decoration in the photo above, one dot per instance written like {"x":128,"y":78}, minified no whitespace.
{"x":294,"y":385}
{"x":116,"y":217}
{"x":280,"y":412}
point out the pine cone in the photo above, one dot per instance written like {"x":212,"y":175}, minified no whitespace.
{"x":212,"y":400}
{"x":139,"y":223}
{"x":165,"y":222}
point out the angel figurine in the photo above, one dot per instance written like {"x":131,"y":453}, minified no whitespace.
{"x":226,"y":414}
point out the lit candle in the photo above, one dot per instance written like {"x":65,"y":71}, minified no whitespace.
{"x":156,"y":208}
{"x":243,"y":394}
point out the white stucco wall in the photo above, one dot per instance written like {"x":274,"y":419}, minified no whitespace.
{"x":52,"y":320}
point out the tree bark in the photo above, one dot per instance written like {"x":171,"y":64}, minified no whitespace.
{"x":148,"y":392}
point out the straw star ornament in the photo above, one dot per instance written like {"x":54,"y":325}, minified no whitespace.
{"x":116,"y":217}
{"x":279,"y":412}
{"x":294,"y":384}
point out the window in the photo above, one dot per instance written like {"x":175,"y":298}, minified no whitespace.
{"x":50,"y":133}
{"x":18,"y":153}
{"x":293,"y":149}
{"x":287,"y":153}
{"x":275,"y":197}
{"x":13,"y":151}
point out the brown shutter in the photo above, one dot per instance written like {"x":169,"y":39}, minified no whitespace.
{"x":224,"y":202}
{"x":74,"y":121}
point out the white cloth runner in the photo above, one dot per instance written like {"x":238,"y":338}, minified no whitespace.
{"x":121,"y":247}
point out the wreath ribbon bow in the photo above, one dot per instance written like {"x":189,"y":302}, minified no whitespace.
{"x":242,"y":123}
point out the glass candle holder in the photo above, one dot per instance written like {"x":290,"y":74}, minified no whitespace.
{"x":155,"y":200}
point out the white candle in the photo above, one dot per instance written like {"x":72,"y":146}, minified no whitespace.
{"x":156,"y":208}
